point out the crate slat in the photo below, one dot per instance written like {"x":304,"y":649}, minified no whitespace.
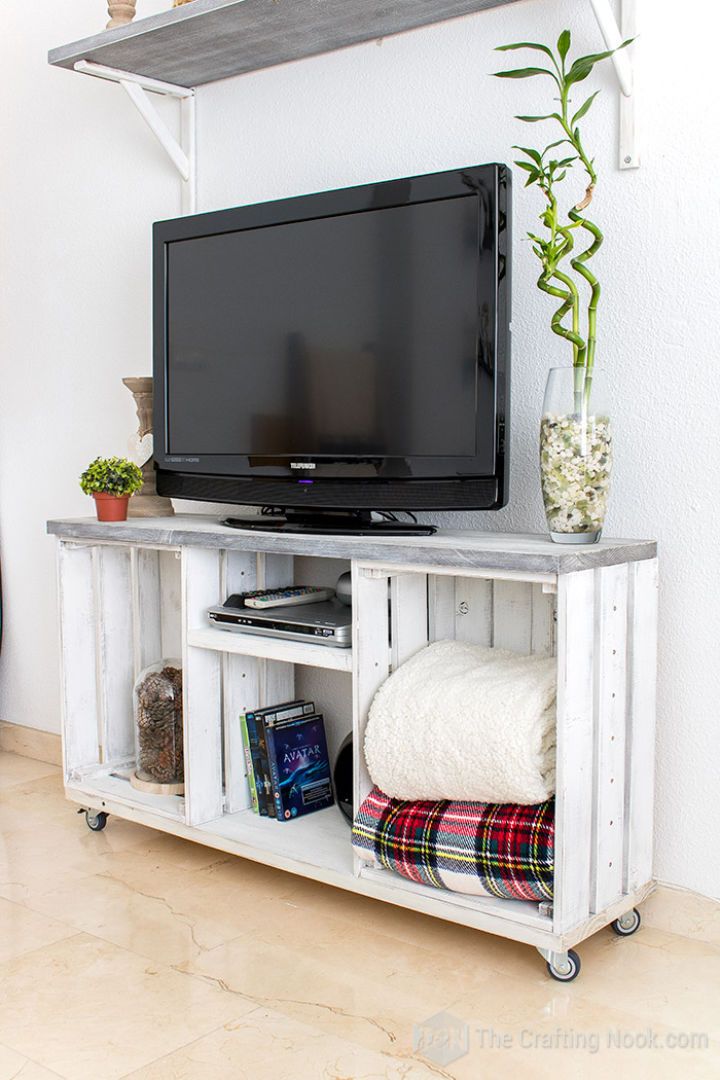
{"x":542,"y":632}
{"x":81,"y":742}
{"x":642,"y":692}
{"x":441,"y":607}
{"x":512,"y":616}
{"x":371,"y":664}
{"x":408,"y":616}
{"x":116,"y":644}
{"x":147,"y":603}
{"x":201,"y":692}
{"x":611,"y":587}
{"x":240,"y":684}
{"x":474,"y":611}
{"x":573,"y":801}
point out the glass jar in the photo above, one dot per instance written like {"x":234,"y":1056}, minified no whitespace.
{"x":575,"y":455}
{"x":157,"y":701}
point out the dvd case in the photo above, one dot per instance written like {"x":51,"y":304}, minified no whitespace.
{"x":249,"y":765}
{"x":261,"y":772}
{"x":256,"y":721}
{"x":299,"y":767}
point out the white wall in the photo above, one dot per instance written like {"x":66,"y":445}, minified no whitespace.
{"x":81,"y":181}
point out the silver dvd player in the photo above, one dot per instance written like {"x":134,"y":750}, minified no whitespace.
{"x":328,"y":623}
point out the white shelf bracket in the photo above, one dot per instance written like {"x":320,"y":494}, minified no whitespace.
{"x":614,"y":35}
{"x":182,"y":153}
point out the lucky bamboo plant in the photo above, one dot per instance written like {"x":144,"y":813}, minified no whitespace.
{"x":575,"y":439}
{"x":558,"y":246}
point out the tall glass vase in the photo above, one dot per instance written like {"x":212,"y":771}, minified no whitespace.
{"x":575,"y":455}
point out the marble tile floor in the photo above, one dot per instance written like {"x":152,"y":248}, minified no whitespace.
{"x":130,"y":953}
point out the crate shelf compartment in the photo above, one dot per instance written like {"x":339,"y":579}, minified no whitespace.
{"x":600,"y":625}
{"x":119,"y":613}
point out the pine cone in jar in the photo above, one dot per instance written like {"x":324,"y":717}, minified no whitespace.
{"x":174,"y":677}
{"x":157,"y":691}
{"x":159,"y":722}
{"x":165,"y":769}
{"x":156,"y":717}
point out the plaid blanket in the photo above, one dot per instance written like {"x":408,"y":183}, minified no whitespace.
{"x":483,"y":849}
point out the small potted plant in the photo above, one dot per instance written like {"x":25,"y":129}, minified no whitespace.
{"x":111,"y":482}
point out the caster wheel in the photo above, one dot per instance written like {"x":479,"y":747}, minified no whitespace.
{"x":96,"y":821}
{"x":567,"y":972}
{"x":627,"y":924}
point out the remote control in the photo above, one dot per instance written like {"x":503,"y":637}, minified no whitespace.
{"x":295,"y":594}
{"x":238,"y":599}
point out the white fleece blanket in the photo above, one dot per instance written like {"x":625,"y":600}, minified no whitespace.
{"x":459,"y":721}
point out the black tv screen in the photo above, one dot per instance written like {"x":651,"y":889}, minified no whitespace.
{"x":356,"y":336}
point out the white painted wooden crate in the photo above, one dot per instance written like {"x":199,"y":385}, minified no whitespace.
{"x":130,"y":595}
{"x":600,"y":624}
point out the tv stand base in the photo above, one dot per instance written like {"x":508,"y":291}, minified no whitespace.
{"x":329,"y":522}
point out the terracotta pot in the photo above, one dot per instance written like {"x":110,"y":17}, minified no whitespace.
{"x":111,"y":507}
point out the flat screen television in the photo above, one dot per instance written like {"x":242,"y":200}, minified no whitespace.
{"x":338,"y":353}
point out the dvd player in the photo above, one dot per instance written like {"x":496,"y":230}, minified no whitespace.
{"x":328,"y":623}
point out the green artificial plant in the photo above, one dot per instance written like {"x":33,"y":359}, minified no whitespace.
{"x":557,"y":246}
{"x":111,"y":476}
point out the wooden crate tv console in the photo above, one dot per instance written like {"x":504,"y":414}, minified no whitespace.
{"x":134,"y":592}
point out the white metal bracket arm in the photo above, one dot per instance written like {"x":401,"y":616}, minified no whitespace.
{"x":614,"y":35}
{"x":159,"y":128}
{"x":137,"y":87}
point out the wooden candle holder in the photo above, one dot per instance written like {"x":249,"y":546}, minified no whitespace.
{"x":121,"y":12}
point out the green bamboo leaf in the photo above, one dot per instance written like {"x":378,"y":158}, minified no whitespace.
{"x":554,"y":144}
{"x":526,"y":165}
{"x":524,"y":73}
{"x":524,"y":45}
{"x":532,"y":178}
{"x":584,"y":64}
{"x":582,"y":68}
{"x":533,"y":154}
{"x":537,"y":119}
{"x":582,"y":111}
{"x":579,"y":74}
{"x":595,"y":57}
{"x":563,"y":44}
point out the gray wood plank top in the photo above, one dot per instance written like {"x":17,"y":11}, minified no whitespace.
{"x":214,"y":39}
{"x":494,"y":551}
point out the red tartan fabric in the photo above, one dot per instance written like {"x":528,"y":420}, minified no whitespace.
{"x":504,"y":850}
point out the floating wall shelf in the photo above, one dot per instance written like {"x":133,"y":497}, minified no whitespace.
{"x":208,"y":40}
{"x":199,"y":43}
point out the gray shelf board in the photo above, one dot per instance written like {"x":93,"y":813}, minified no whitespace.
{"x":493,"y":551}
{"x":208,"y":40}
